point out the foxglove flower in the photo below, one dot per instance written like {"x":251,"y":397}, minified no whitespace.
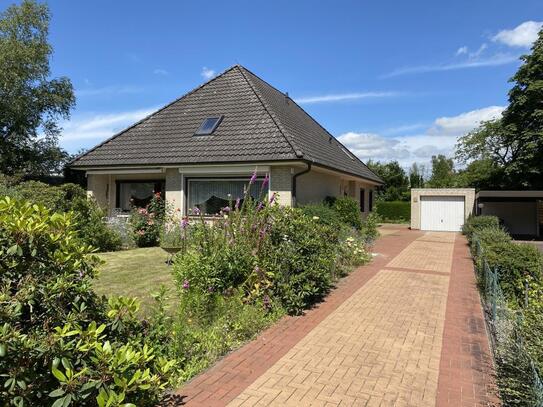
{"x":253,"y":178}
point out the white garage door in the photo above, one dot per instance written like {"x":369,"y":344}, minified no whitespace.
{"x":441,"y":213}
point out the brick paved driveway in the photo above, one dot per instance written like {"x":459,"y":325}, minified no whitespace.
{"x":406,"y":330}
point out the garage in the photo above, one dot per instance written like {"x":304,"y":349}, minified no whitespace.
{"x":519,"y":212}
{"x":441,"y":209}
{"x":442,"y":213}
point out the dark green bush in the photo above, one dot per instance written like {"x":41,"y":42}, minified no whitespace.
{"x":394,"y":210}
{"x":475,"y":224}
{"x":301,"y":256}
{"x":60,"y":344}
{"x":326,"y":214}
{"x":348,"y":211}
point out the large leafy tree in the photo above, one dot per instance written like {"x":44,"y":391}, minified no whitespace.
{"x":443,"y":174}
{"x":31,"y":103}
{"x":396,"y":181}
{"x":513,"y":144}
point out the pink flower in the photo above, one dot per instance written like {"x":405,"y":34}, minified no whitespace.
{"x":184,"y":222}
{"x":186,"y":285}
{"x":237,"y":203}
{"x":253,"y":178}
{"x":140,"y":232}
{"x":272,"y":199}
{"x":142,"y":211}
{"x":150,"y":222}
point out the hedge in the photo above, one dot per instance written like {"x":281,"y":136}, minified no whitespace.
{"x":394,"y":210}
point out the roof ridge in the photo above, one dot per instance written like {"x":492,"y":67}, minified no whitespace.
{"x":341,"y":145}
{"x":299,"y":153}
{"x":152,"y":114}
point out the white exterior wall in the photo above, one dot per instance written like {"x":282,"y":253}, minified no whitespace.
{"x":281,"y":184}
{"x":314,"y":186}
{"x":99,"y":189}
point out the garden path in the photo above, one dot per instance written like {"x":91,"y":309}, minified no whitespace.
{"x":406,"y":330}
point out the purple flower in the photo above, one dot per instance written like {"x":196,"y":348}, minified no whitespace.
{"x":267,"y":302}
{"x":237,"y":203}
{"x":272,"y":199}
{"x":186,"y":285}
{"x":266,"y":181}
{"x":196,"y":211}
{"x":184,"y":222}
{"x":260,"y":206}
{"x":226,"y":209}
{"x":253,"y":178}
{"x":210,"y":289}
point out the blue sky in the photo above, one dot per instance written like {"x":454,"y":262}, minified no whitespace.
{"x":393,"y":80}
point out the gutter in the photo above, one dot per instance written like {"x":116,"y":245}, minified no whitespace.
{"x":294,"y":179}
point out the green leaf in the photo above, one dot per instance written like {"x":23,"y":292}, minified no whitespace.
{"x":59,"y":375}
{"x":57,"y":393}
{"x":58,"y":403}
{"x":2,"y":350}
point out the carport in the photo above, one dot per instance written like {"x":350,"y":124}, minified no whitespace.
{"x":520,"y":212}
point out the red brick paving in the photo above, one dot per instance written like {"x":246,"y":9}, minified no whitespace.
{"x":230,"y":376}
{"x":465,"y":366}
{"x":466,"y":371}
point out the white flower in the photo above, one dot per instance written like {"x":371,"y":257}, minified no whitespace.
{"x":316,"y":218}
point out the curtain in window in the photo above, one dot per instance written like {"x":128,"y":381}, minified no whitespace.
{"x":212,"y":195}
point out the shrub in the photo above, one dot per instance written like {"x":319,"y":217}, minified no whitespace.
{"x":475,"y":224}
{"x":146,"y":223}
{"x":60,"y":344}
{"x":326,"y":214}
{"x":394,"y":210}
{"x":348,"y":211}
{"x":91,"y":226}
{"x":369,"y":231}
{"x":301,"y":261}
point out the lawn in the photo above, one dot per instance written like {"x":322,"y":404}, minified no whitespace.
{"x":134,"y":273}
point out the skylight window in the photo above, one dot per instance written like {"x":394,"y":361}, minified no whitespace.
{"x":208,"y":126}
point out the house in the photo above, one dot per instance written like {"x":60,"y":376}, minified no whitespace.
{"x":201,"y":149}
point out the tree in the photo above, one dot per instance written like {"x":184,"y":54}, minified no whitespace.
{"x":442,"y":172}
{"x":416,"y":178}
{"x":514,"y":143}
{"x":396,"y":181}
{"x":31,"y":104}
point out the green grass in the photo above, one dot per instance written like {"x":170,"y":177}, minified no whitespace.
{"x":134,"y":273}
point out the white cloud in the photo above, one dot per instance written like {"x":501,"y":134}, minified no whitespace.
{"x":495,"y":60}
{"x":101,"y":126}
{"x":343,"y":97}
{"x":109,"y":90}
{"x":160,"y":71}
{"x":462,"y":50}
{"x":207,"y":73}
{"x":439,"y":138}
{"x":522,"y":35}
{"x":477,"y":54}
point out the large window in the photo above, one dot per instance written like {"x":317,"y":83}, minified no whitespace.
{"x":210,"y":195}
{"x":137,"y":193}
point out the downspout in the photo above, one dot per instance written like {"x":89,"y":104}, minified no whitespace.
{"x":294,"y":179}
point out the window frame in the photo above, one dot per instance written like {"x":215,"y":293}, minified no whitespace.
{"x":362,"y":199}
{"x":370,"y":203}
{"x":218,"y":121}
{"x":155,"y":181}
{"x":215,"y":178}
